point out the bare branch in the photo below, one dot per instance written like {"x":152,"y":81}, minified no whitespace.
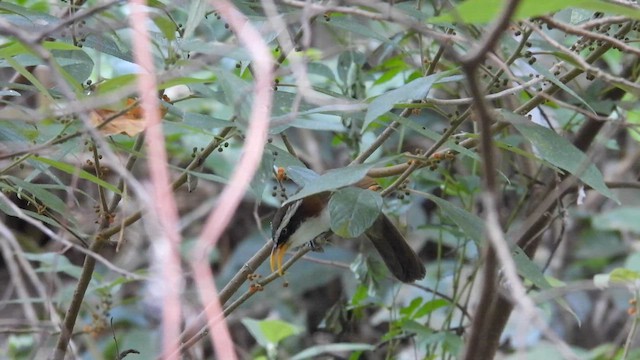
{"x":243,"y":173}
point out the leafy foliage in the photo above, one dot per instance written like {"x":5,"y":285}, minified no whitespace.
{"x":384,"y":91}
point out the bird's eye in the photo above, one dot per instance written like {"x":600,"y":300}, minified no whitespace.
{"x":284,"y":231}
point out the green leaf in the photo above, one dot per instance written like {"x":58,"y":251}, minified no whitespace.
{"x":278,"y":330}
{"x":530,"y":271}
{"x":470,"y":223}
{"x":544,"y":71}
{"x":388,"y":75}
{"x":204,"y":121}
{"x":75,"y":65}
{"x":633,"y":262}
{"x":316,"y":351}
{"x":353,"y":211}
{"x":237,"y":93}
{"x":301,"y":175}
{"x":316,"y":123}
{"x":412,"y":307}
{"x":429,"y":307}
{"x":197,"y":10}
{"x":12,"y":48}
{"x":619,"y":219}
{"x":617,"y":275}
{"x":116,"y":83}
{"x":42,"y":90}
{"x":39,"y":192}
{"x":27,"y":18}
{"x":9,"y":92}
{"x":16,"y":132}
{"x":44,"y":219}
{"x":350,"y":24}
{"x":208,"y":177}
{"x":72,"y":60}
{"x":560,"y":152}
{"x":349,"y":62}
{"x":54,"y":262}
{"x":624,"y":275}
{"x":108,"y":43}
{"x":264,"y":175}
{"x":360,"y":294}
{"x":473,"y":226}
{"x":514,"y":149}
{"x":58,"y":45}
{"x":283,"y":104}
{"x":269,"y":333}
{"x":184,"y":81}
{"x":20,"y":346}
{"x":321,"y":69}
{"x":283,"y":159}
{"x":4,"y":207}
{"x":633,"y":118}
{"x":484,"y":11}
{"x":435,"y":136}
{"x":73,"y":170}
{"x":333,"y":179}
{"x":166,"y":26}
{"x":416,"y":89}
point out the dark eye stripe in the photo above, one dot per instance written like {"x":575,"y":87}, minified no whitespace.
{"x":288,"y":222}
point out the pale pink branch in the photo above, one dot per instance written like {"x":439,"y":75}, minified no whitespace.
{"x":165,"y":206}
{"x":228,"y":202}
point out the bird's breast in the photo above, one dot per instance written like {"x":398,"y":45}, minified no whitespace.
{"x":311,"y":228}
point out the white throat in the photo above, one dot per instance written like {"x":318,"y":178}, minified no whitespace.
{"x":311,"y":228}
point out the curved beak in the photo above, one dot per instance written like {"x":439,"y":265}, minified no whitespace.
{"x":277,"y":254}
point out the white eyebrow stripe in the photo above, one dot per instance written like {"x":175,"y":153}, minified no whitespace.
{"x":291,"y":210}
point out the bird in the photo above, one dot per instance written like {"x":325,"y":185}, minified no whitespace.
{"x":301,"y":221}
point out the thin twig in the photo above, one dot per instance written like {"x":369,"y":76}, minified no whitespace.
{"x":476,"y":347}
{"x":589,"y":34}
{"x":386,"y":12}
{"x":585,"y":65}
{"x":243,"y":173}
{"x":165,"y":208}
